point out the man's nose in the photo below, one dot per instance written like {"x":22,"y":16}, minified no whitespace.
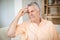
{"x":30,"y":13}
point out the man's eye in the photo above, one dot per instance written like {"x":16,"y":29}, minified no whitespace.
{"x":32,"y":11}
{"x":27,"y":12}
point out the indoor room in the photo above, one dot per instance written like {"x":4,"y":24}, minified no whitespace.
{"x":9,"y":9}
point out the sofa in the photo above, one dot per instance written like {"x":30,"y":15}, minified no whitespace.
{"x":4,"y":36}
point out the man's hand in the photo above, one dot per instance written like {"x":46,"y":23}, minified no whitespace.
{"x":23,"y":11}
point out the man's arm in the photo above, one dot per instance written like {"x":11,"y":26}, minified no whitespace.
{"x":13,"y":25}
{"x":54,"y":33}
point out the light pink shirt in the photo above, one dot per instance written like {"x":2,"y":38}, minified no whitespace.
{"x":31,"y":31}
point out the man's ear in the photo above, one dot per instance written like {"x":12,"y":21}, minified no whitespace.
{"x":38,"y":10}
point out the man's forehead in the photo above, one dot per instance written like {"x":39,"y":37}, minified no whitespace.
{"x":33,"y":7}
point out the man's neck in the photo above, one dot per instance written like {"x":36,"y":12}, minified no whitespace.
{"x":37,"y":21}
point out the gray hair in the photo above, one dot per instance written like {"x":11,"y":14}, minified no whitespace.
{"x":32,"y":3}
{"x":37,"y":4}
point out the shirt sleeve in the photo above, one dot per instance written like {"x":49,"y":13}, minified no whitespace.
{"x":53,"y":32}
{"x":20,"y":30}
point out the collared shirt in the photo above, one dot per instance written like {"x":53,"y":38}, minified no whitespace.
{"x":31,"y":31}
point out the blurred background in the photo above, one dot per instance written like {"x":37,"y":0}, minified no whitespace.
{"x":50,"y":10}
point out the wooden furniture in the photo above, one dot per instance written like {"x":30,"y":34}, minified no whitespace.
{"x":51,"y":10}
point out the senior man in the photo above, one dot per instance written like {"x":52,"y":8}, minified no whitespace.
{"x":36,"y":28}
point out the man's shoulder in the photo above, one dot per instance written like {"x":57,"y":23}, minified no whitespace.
{"x":47,"y":21}
{"x":50,"y":23}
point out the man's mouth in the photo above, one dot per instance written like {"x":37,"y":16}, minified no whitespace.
{"x":31,"y":16}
